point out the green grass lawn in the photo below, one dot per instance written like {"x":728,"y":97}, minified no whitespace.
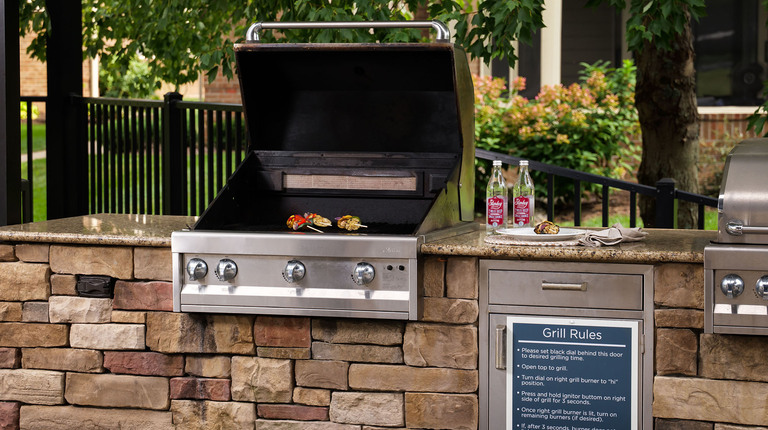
{"x":710,"y":220}
{"x":39,"y":204}
{"x":38,"y":137}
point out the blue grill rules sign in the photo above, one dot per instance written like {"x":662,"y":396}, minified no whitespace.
{"x":572,"y":374}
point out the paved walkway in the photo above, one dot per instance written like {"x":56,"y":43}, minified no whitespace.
{"x":37,"y":155}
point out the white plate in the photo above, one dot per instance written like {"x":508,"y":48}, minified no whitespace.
{"x":526,"y":233}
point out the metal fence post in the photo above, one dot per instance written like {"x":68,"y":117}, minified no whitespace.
{"x":666,"y":206}
{"x":10,"y":130}
{"x":172,"y":148}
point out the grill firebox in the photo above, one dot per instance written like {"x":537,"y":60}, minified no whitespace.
{"x":380,"y":131}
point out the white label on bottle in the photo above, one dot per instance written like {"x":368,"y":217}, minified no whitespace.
{"x":495,"y":210}
{"x":521,"y":210}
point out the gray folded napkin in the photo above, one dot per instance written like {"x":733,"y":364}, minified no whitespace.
{"x":613,"y":235}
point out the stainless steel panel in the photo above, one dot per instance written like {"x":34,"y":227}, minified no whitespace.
{"x":295,"y":243}
{"x":574,"y":289}
{"x":492,"y":381}
{"x":309,"y":298}
{"x":264,"y":310}
{"x":745,"y":313}
{"x":335,"y":273}
{"x":497,"y":379}
{"x":327,"y":286}
{"x":736,"y":257}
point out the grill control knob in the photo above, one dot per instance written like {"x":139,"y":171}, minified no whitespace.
{"x":732,"y":285}
{"x":761,"y":287}
{"x":226,"y":270}
{"x":294,"y":271}
{"x":363,"y":273}
{"x":196,"y":269}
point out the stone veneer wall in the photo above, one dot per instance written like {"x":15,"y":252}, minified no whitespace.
{"x":130,"y":363}
{"x":703,"y":381}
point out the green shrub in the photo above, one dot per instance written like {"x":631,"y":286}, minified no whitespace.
{"x":128,"y":81}
{"x":24,"y":113}
{"x":586,"y":127}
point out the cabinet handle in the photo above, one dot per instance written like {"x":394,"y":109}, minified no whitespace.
{"x":501,"y":350}
{"x":568,"y":286}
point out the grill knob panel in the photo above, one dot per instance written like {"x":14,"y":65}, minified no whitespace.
{"x":294,"y":271}
{"x":732,"y":285}
{"x":196,"y":269}
{"x":363,"y":273}
{"x":761,"y":287}
{"x":226,"y":270}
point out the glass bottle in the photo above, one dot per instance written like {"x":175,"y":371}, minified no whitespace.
{"x":496,"y":200}
{"x":522,"y":198}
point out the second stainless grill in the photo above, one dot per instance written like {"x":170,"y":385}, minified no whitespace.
{"x":736,"y":265}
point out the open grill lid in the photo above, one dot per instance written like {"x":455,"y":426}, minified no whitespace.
{"x":399,"y":114}
{"x":743,"y":201}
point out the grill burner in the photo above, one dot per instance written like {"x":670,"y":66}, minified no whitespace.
{"x":384,"y":132}
{"x":736,"y":266}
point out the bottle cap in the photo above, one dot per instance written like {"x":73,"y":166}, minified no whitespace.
{"x":523,"y":162}
{"x":497,"y":162}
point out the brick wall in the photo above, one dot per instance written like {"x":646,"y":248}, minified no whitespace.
{"x":34,"y":75}
{"x":222,"y":90}
{"x":130,"y":362}
{"x":718,"y":133}
{"x":33,"y":72}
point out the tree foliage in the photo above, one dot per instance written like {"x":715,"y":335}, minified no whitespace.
{"x":656,"y":21}
{"x":184,"y":38}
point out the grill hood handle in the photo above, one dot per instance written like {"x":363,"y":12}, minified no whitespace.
{"x":441,"y":30}
{"x":737,"y":228}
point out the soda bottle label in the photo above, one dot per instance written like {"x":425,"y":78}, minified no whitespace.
{"x":495,"y":210}
{"x":521,"y":210}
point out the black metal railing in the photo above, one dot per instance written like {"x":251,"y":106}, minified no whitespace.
{"x":173,"y":156}
{"x":664,"y":192}
{"x":160,"y":157}
{"x":27,"y":185}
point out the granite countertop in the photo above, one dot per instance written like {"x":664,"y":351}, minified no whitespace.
{"x":100,"y":229}
{"x":681,"y":246}
{"x":659,"y":246}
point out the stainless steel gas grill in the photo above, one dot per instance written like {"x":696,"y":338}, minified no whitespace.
{"x":380,"y":131}
{"x":736,"y":266}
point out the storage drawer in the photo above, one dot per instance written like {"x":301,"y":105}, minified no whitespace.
{"x":565,"y":289}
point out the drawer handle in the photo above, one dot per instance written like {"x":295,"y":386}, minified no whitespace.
{"x":501,"y":350}
{"x":567,"y":286}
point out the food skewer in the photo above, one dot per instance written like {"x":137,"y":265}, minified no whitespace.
{"x":315,"y":219}
{"x":297,"y":221}
{"x":349,"y":222}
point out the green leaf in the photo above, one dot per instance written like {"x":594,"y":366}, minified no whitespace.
{"x":647,"y":7}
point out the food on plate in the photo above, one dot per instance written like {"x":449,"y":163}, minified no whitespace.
{"x":349,"y":222}
{"x":546,"y":227}
{"x":315,"y":219}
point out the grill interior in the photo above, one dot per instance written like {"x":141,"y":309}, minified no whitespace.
{"x":382,"y":132}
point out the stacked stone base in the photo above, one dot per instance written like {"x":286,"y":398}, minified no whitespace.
{"x":703,"y":381}
{"x":128,"y":362}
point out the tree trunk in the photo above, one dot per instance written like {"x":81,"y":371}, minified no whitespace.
{"x":665,"y":96}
